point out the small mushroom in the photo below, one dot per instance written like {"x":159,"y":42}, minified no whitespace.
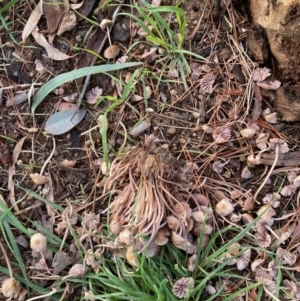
{"x":173,"y":223}
{"x":183,"y":287}
{"x":38,"y":243}
{"x":161,"y":237}
{"x":199,"y":216}
{"x":111,"y":52}
{"x":191,"y":263}
{"x":39,"y":179}
{"x":105,"y":23}
{"x":125,"y":237}
{"x":131,"y":256}
{"x":248,"y":133}
{"x":234,"y":249}
{"x":224,"y":207}
{"x":11,"y":288}
{"x":115,"y":226}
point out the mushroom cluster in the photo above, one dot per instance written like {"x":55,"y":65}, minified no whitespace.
{"x":156,"y":201}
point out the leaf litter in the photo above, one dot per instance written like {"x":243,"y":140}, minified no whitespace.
{"x":164,"y":175}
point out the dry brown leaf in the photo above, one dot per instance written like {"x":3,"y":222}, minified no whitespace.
{"x":142,"y":127}
{"x":53,"y":53}
{"x":53,"y":11}
{"x":32,"y":22}
{"x":67,"y":23}
{"x":66,"y":106}
{"x":20,"y":97}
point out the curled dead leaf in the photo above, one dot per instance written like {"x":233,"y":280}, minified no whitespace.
{"x":52,"y":52}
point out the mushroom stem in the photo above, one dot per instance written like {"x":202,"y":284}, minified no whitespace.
{"x":269,"y":173}
{"x":7,"y":260}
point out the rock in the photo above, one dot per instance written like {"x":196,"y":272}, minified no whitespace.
{"x":280,"y":20}
{"x":120,"y":33}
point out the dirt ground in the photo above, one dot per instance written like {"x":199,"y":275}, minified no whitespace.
{"x":219,"y":128}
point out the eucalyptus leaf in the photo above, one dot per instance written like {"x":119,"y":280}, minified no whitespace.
{"x":61,"y":122}
{"x":72,"y":75}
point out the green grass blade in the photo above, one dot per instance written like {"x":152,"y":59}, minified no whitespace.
{"x":70,"y":76}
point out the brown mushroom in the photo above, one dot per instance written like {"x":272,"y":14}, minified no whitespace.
{"x":111,"y":52}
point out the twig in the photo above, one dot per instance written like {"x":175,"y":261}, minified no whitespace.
{"x":7,"y":260}
{"x":269,"y":173}
{"x":49,"y":158}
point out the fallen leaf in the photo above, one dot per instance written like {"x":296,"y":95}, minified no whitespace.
{"x":53,"y":53}
{"x":67,"y":23}
{"x":142,"y":127}
{"x":32,"y":22}
{"x":66,"y":106}
{"x":62,"y":122}
{"x":53,"y":11}
{"x":20,"y":97}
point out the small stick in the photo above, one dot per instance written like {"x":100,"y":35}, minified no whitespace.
{"x":7,"y":260}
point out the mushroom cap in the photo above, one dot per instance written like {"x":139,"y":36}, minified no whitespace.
{"x":38,"y":242}
{"x":125,"y":237}
{"x":115,"y":227}
{"x":105,"y":23}
{"x":130,"y":256}
{"x":39,"y":179}
{"x":161,"y":238}
{"x":266,"y":211}
{"x":224,"y":207}
{"x":183,"y":286}
{"x":111,"y":52}
{"x":191,"y":262}
{"x":248,"y":133}
{"x":173,"y":223}
{"x":11,"y":287}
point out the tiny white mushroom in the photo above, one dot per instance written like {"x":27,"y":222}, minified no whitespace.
{"x":224,"y":207}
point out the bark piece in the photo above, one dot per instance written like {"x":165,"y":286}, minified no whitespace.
{"x":287,"y":102}
{"x":257,"y":43}
{"x":280,"y":19}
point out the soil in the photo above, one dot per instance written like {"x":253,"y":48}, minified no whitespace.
{"x":178,"y":122}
